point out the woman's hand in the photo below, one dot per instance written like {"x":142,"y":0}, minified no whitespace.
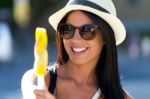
{"x":30,"y":89}
{"x":43,"y":94}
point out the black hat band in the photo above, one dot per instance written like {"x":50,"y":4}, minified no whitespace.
{"x":87,"y":3}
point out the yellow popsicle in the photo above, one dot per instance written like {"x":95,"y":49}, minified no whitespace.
{"x":40,"y":52}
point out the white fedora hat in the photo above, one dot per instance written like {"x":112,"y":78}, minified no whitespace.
{"x":102,"y":8}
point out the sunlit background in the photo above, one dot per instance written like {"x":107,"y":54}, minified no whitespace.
{"x":19,"y":18}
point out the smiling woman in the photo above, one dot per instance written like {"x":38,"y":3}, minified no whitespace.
{"x":87,"y":33}
{"x":78,"y":47}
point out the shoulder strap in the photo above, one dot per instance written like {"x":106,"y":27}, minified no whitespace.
{"x":53,"y":78}
{"x":97,"y":94}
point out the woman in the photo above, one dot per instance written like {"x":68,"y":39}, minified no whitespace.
{"x":87,"y":68}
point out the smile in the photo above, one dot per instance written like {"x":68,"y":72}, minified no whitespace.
{"x":78,"y":50}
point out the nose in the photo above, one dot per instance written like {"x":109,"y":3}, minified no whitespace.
{"x":77,"y":35}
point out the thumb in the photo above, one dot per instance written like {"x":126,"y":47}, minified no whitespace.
{"x":48,"y":94}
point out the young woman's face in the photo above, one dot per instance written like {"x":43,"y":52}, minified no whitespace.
{"x":82,"y":51}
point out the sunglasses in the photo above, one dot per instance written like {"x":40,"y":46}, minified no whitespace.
{"x":87,"y":31}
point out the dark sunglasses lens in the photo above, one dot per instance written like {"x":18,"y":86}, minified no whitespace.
{"x":88,"y":32}
{"x":66,"y":31}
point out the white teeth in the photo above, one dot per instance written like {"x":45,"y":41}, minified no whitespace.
{"x":79,"y":49}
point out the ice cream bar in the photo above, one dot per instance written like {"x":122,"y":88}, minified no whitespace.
{"x":41,"y":55}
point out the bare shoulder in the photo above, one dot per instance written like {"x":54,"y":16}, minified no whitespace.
{"x":128,"y":96}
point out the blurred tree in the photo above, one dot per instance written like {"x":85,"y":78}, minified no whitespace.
{"x":6,"y":10}
{"x":41,"y":10}
{"x":21,"y":12}
{"x":6,"y":4}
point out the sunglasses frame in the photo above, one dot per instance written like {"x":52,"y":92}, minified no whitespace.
{"x":86,"y":35}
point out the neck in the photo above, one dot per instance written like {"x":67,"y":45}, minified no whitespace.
{"x":81,"y":74}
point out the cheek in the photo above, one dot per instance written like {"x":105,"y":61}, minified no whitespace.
{"x":97,"y":47}
{"x":98,"y":44}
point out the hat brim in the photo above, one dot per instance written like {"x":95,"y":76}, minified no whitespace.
{"x":113,"y":21}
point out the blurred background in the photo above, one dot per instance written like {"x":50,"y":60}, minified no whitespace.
{"x":19,"y":18}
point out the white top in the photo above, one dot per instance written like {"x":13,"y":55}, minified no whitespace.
{"x":97,"y":94}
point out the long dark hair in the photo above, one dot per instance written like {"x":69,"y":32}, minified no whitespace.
{"x":107,"y":73}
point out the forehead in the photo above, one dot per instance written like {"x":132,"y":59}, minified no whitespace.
{"x":78,"y":17}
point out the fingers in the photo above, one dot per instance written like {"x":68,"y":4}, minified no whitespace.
{"x":43,"y":94}
{"x":49,"y":95}
{"x":39,"y":93}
